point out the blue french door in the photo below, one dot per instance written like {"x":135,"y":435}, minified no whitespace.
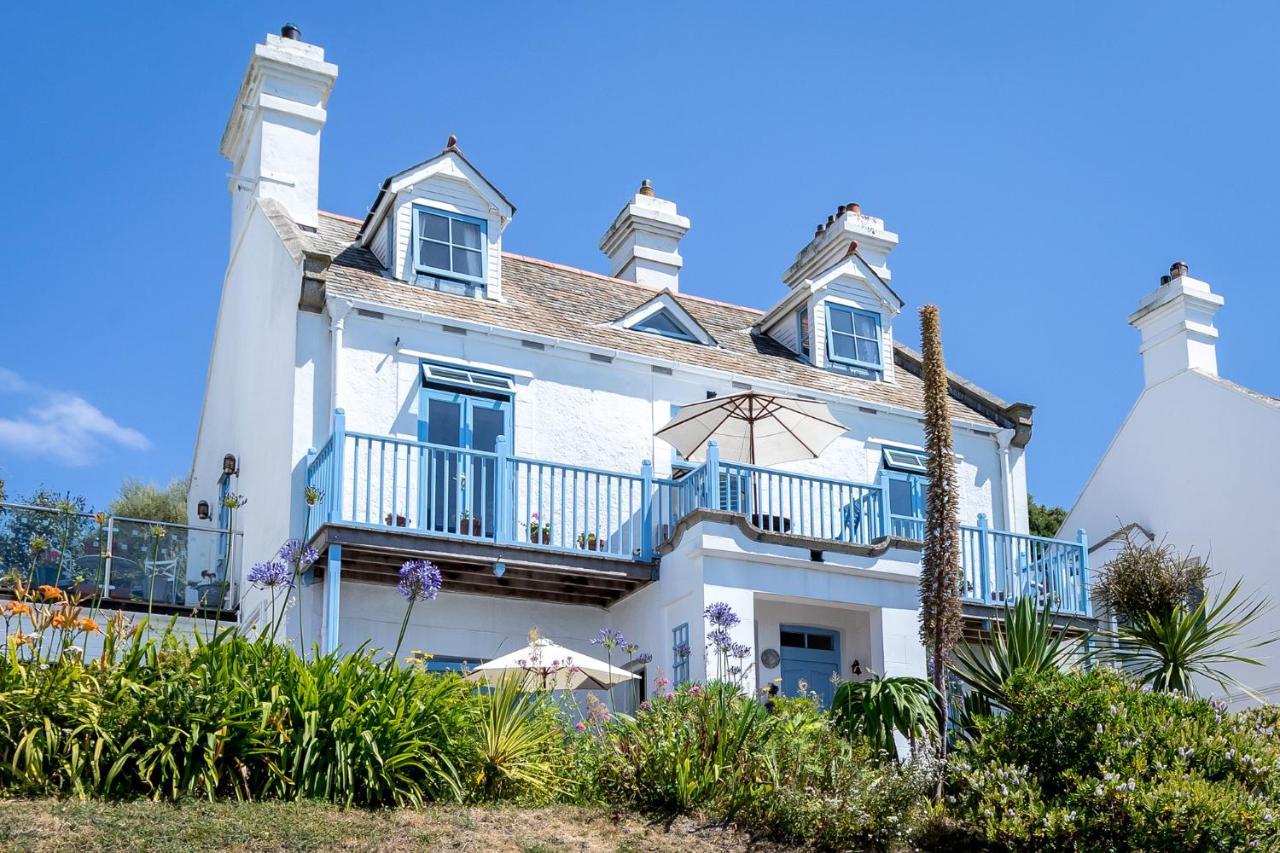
{"x":459,"y":491}
{"x":810,"y":656}
{"x":906,"y":505}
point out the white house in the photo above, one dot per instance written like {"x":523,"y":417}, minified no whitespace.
{"x":1192,"y":465}
{"x":442,"y":393}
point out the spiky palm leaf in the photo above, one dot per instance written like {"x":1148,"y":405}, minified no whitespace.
{"x":1024,"y":640}
{"x":1168,"y":651}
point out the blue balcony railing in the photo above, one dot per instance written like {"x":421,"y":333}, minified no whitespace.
{"x":495,"y":496}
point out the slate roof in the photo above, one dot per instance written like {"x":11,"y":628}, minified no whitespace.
{"x":540,"y":297}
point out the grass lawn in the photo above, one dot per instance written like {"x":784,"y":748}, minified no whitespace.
{"x":70,"y":825}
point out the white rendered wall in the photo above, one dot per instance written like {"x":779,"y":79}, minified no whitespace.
{"x":1193,"y":463}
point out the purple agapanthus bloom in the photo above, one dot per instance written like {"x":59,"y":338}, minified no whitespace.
{"x":631,"y":648}
{"x":294,"y":550}
{"x":271,"y":573}
{"x":610,"y":638}
{"x":739,"y":650}
{"x":644,"y":657}
{"x":683,"y":650}
{"x":721,"y":615}
{"x":420,"y":579}
{"x":720,"y":640}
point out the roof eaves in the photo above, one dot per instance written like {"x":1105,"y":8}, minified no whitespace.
{"x":1015,"y":416}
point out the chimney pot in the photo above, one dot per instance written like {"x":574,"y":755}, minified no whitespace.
{"x":291,"y":31}
{"x":830,"y":219}
{"x":853,"y":207}
{"x":452,"y":142}
{"x":646,"y":187}
{"x":840,"y":211}
{"x":853,"y":249}
{"x":817,"y":232}
{"x":1178,"y":268}
{"x":1165,"y":279}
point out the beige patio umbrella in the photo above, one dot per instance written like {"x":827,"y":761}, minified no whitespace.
{"x":759,"y":429}
{"x":544,"y":664}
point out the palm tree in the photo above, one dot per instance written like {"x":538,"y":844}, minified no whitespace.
{"x":940,"y":572}
{"x":1169,"y":650}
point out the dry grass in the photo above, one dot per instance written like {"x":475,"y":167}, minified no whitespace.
{"x":52,"y":826}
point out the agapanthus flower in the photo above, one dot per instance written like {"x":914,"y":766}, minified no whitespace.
{"x":38,"y":544}
{"x":683,"y":650}
{"x":721,"y":615}
{"x":234,"y":501}
{"x":739,"y":650}
{"x":271,"y":573}
{"x":720,"y":640}
{"x":631,"y":648}
{"x":157,"y":531}
{"x":293,"y":550}
{"x":644,"y":657}
{"x":312,"y":495}
{"x":420,"y":579}
{"x":609,"y":638}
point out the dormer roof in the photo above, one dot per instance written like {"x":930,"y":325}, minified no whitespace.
{"x":450,"y":159}
{"x":666,"y":305}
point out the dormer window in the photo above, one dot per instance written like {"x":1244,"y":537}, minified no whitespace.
{"x":802,"y":331}
{"x":662,"y":323}
{"x":853,"y":340}
{"x":449,"y":245}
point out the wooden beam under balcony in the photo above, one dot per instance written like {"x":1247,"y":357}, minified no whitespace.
{"x":375,"y":555}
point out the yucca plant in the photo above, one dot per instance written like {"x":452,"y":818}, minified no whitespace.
{"x":519,"y":744}
{"x":878,"y":707}
{"x":1169,"y":651}
{"x":1024,"y":640}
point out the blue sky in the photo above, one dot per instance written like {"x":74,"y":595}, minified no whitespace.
{"x":1042,"y":163}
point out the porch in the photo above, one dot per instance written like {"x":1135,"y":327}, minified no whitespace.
{"x":526,"y":527}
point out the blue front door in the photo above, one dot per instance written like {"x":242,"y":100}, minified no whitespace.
{"x":459,"y":488}
{"x":811,"y":655}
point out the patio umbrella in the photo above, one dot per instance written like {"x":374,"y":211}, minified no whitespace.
{"x":759,"y":429}
{"x":543,"y":664}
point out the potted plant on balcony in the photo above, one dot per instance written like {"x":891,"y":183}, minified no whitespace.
{"x":539,"y":533}
{"x":469,"y":526}
{"x":399,"y":520}
{"x":588,"y":541}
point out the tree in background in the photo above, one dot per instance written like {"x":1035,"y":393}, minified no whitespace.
{"x":149,"y":502}
{"x":1044,"y":520}
{"x":940,"y":572}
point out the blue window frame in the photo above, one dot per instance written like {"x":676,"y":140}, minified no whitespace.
{"x":663,"y":323}
{"x":853,"y":339}
{"x":680,"y":653}
{"x":906,"y":487}
{"x":449,"y":244}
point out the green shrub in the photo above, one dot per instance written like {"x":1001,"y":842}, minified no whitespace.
{"x":1088,"y":761}
{"x":878,"y":708}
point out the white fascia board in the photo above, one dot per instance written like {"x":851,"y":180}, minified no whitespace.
{"x":625,"y":356}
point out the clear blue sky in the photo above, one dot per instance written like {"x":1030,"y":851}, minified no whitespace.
{"x":1042,"y":164}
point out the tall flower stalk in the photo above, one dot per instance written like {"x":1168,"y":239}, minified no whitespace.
{"x":274,"y":574}
{"x":609,"y":639}
{"x":940,"y":572}
{"x":719,"y":640}
{"x":420,"y":580}
{"x":157,"y":534}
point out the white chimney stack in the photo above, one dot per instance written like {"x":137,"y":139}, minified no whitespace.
{"x":1176,"y":323}
{"x":643,"y":243}
{"x":273,"y":136}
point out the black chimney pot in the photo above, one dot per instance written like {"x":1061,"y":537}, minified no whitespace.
{"x":291,"y":31}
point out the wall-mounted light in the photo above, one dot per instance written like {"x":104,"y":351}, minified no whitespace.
{"x":499,"y":568}
{"x":202,"y":511}
{"x":229,"y":466}
{"x":856,"y":667}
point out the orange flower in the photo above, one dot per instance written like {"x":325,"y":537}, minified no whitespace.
{"x":49,"y":592}
{"x":88,"y":625}
{"x":61,"y":620}
{"x":20,"y":639}
{"x":15,"y":608}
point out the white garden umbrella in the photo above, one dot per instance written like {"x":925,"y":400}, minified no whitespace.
{"x":544,"y":664}
{"x":759,"y":429}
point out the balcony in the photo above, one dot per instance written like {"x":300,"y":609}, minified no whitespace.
{"x":121,"y":563}
{"x":527,"y":520}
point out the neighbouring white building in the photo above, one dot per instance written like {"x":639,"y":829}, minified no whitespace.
{"x":496,"y":414}
{"x":1192,"y":464}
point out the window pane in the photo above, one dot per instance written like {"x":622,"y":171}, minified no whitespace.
{"x":466,"y":262}
{"x":865,"y":326}
{"x":793,"y":639}
{"x":842,"y":321}
{"x":843,"y":346}
{"x":433,"y":254}
{"x":900,"y":500}
{"x":821,"y":642}
{"x":433,"y":226}
{"x":466,"y":234}
{"x":663,"y":324}
{"x":868,"y":351}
